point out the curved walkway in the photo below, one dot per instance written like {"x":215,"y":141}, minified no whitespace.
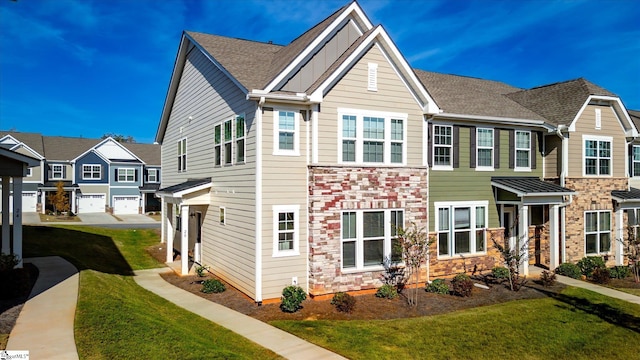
{"x":45,"y":324}
{"x":274,"y":339}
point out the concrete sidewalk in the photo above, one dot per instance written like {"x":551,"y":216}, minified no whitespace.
{"x":274,"y":339}
{"x":45,"y":324}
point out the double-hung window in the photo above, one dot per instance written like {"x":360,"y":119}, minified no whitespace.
{"x":57,"y":171}
{"x":442,"y":146}
{"x":597,"y":230}
{"x":461,"y":227}
{"x":286,"y":136}
{"x":597,"y":155}
{"x":228,"y":142}
{"x":484,"y":148}
{"x":217,"y":145}
{"x":29,"y":172}
{"x":523,"y":150}
{"x":182,"y":155}
{"x":371,"y":137}
{"x":126,"y":175}
{"x":635,"y":161}
{"x":286,"y":223}
{"x":240,"y":139}
{"x":91,"y":172}
{"x":368,"y":238}
{"x":152,"y":175}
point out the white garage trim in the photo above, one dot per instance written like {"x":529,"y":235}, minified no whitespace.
{"x":126,"y":204}
{"x":29,"y":201}
{"x":91,"y":203}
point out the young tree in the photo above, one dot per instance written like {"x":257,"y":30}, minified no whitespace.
{"x":632,"y":251}
{"x":413,"y":244}
{"x":59,"y":199}
{"x":513,"y":257}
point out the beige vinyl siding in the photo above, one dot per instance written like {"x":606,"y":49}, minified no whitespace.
{"x":207,"y":96}
{"x":610,"y":127}
{"x":351,"y":92}
{"x":553,"y":156}
{"x":321,"y":60}
{"x":468,"y":184}
{"x":36,"y":171}
{"x":284,"y":182}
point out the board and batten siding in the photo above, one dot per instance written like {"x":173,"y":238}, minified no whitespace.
{"x":468,"y":184}
{"x":204,"y":99}
{"x":351,"y":92}
{"x":284,"y":182}
{"x":586,"y":126}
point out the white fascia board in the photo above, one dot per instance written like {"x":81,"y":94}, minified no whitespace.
{"x":35,"y":153}
{"x":259,"y":94}
{"x":180,"y":194}
{"x":176,"y":74}
{"x":523,"y":194}
{"x":500,"y":120}
{"x":9,"y":137}
{"x":617,"y":105}
{"x":353,"y":8}
{"x":19,"y":157}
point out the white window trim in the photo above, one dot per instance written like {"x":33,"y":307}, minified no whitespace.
{"x":634,"y":163}
{"x":596,"y":138}
{"x":243,"y":137}
{"x":54,"y":171}
{"x":29,"y":172}
{"x":492,"y":147}
{"x":359,"y":240}
{"x":598,"y":232}
{"x":360,"y":115}
{"x":155,"y":171}
{"x":91,"y":171}
{"x":126,"y":170}
{"x":434,"y":145}
{"x":226,"y":142}
{"x":222,"y":215}
{"x":278,"y":209}
{"x":372,"y":77}
{"x":276,"y":133}
{"x":218,"y":146}
{"x":185,"y":154}
{"x":451,"y":205}
{"x":515,"y":149}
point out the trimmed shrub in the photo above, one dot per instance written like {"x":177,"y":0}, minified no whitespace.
{"x":619,"y":272}
{"x":8,"y":261}
{"x":601,"y":275}
{"x":588,"y":264}
{"x":292,"y":298}
{"x":387,"y":291}
{"x":212,"y":286}
{"x":438,"y":286}
{"x":568,"y":269}
{"x":200,"y":271}
{"x":461,"y":285}
{"x":343,"y":302}
{"x":500,"y":272}
{"x":547,"y":278}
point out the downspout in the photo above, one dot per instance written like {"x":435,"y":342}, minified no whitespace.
{"x":308,"y":131}
{"x":258,"y":120}
{"x":563,"y":174}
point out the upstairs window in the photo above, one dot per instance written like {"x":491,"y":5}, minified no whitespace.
{"x":217,"y":145}
{"x":29,"y":172}
{"x":152,"y":175}
{"x":182,"y":155}
{"x":91,"y":172}
{"x":240,"y":139}
{"x":442,"y":145}
{"x":349,"y":138}
{"x":485,"y":148}
{"x":523,"y":150}
{"x":597,"y":156}
{"x":397,"y":141}
{"x":373,"y":140}
{"x":228,"y":142}
{"x":126,"y":175}
{"x":57,"y":171}
{"x":636,"y":161}
{"x":286,"y":137}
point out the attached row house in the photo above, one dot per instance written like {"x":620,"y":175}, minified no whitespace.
{"x":99,"y":175}
{"x":295,"y":164}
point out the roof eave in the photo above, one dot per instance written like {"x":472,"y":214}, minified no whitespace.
{"x":497,"y":119}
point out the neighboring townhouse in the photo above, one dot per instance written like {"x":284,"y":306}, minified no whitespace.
{"x":98,"y":174}
{"x":295,"y":164}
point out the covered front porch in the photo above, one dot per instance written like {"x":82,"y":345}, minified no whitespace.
{"x":531,"y":208}
{"x":184,"y":207}
{"x":626,"y":206}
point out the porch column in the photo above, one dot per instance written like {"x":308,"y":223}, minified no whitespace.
{"x":43,"y":201}
{"x":169,"y":235}
{"x":554,"y":239}
{"x":523,"y":224}
{"x":617,"y":243}
{"x":184,"y":247}
{"x":17,"y":219}
{"x":143,"y":198}
{"x":6,"y":245}
{"x":73,"y":201}
{"x":163,"y":220}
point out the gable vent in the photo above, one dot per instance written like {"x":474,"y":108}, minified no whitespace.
{"x":372,"y":80}
{"x":598,"y":119}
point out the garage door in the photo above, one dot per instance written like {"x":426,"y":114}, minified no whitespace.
{"x":29,"y":201}
{"x":125,"y":204}
{"x":91,"y":203}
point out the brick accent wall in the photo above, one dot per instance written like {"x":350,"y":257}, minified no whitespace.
{"x":333,"y":189}
{"x":592,"y":194}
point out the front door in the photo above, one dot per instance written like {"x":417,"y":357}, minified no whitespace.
{"x":510,"y":225}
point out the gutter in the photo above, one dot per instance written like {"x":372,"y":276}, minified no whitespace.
{"x":501,"y":120}
{"x":261,"y":96}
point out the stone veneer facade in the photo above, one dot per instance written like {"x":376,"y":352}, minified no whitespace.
{"x":592,"y":194}
{"x":451,"y":266}
{"x":333,"y":189}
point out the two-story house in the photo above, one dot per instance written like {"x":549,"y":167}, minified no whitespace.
{"x":294,"y":164}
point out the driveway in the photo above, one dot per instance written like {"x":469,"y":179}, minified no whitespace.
{"x":137,"y":219}
{"x":97,"y":218}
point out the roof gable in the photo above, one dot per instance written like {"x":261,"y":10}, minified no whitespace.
{"x":111,"y":150}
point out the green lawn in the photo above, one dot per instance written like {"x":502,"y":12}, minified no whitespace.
{"x":116,"y":318}
{"x":578,"y":324}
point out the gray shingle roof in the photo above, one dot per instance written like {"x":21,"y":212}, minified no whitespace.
{"x":66,"y":148}
{"x":191,"y":183}
{"x":622,"y":195}
{"x":635,"y":118}
{"x":149,"y":153}
{"x":559,"y":103}
{"x":530,"y":185}
{"x":32,"y":140}
{"x":471,"y":96}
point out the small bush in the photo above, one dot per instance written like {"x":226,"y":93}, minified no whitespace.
{"x":8,"y":261}
{"x":438,"y":286}
{"x":569,"y":269}
{"x":601,"y":275}
{"x":200,"y":271}
{"x":588,"y":264}
{"x":547,"y":278}
{"x":500,"y":272}
{"x":619,"y":272}
{"x":292,"y":298}
{"x":387,"y":291}
{"x":212,"y":286}
{"x":343,"y":302}
{"x":462,"y":285}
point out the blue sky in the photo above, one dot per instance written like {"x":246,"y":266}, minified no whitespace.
{"x":86,"y":68}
